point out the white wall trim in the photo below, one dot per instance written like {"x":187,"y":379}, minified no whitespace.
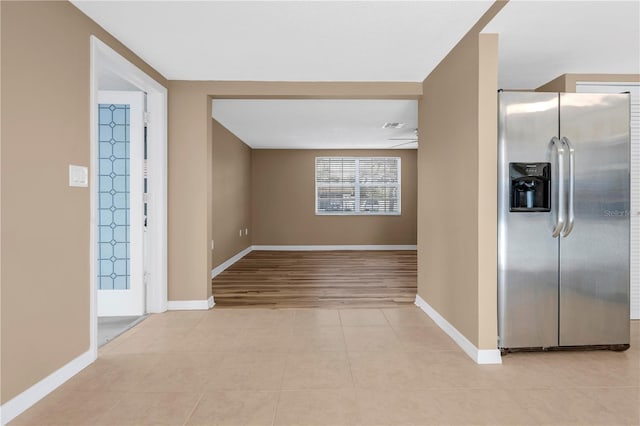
{"x":190,"y":305}
{"x":224,"y":265}
{"x":480,"y":356}
{"x":335,"y":247}
{"x":18,"y":404}
{"x":104,"y":57}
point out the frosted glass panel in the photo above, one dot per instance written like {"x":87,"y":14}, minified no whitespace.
{"x":113,"y":200}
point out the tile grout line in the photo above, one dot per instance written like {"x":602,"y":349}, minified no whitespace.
{"x":395,"y":333}
{"x":346,"y":350}
{"x":356,"y":389}
{"x":275,"y":411}
{"x":193,"y":410}
{"x":284,"y":369}
{"x":115,"y":404}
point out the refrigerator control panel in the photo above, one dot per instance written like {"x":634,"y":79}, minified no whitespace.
{"x":530,"y":187}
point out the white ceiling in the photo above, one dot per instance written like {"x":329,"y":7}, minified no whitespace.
{"x":540,"y":40}
{"x":318,"y":124}
{"x":359,"y":41}
{"x":288,"y":41}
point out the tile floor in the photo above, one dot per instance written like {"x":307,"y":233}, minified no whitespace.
{"x":333,"y":367}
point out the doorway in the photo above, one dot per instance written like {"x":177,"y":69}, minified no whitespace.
{"x":128,"y":252}
{"x":326,"y":205}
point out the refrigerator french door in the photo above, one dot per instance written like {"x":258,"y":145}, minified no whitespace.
{"x":563,"y":220}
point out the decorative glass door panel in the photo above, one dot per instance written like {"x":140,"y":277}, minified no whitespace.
{"x":113,"y":198}
{"x":120,"y":203}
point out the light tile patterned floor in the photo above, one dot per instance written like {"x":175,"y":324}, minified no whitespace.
{"x":333,"y":367}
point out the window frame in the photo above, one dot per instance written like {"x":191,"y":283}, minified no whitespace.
{"x":358,"y":185}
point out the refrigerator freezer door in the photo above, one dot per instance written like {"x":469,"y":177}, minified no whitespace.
{"x":594,"y":256}
{"x":527,"y":252}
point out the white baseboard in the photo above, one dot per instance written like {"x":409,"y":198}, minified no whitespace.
{"x":20,"y":403}
{"x":480,"y":356}
{"x":224,"y":265}
{"x":190,"y":305}
{"x":335,"y":247}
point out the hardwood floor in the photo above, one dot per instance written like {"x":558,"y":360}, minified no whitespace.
{"x":282,"y":279}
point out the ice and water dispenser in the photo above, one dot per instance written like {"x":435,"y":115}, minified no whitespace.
{"x":530,"y":187}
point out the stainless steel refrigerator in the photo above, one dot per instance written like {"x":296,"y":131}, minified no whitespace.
{"x":563,"y":220}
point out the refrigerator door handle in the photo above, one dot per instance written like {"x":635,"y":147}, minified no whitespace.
{"x":572,"y":184}
{"x":559,"y":205}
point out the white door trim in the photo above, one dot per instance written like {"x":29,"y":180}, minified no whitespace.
{"x":105,"y":58}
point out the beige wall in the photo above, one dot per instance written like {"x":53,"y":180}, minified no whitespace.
{"x":231,"y":194}
{"x":567,"y":82}
{"x":283,"y":202}
{"x":487,"y":193}
{"x":556,"y":85}
{"x":45,"y":224}
{"x":301,"y":90}
{"x":457,"y":183}
{"x":190,"y":177}
{"x":191,"y":163}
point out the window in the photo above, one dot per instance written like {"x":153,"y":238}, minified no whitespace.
{"x":358,"y":186}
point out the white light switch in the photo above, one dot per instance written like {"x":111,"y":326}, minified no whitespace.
{"x":78,"y":176}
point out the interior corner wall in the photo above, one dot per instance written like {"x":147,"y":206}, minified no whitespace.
{"x":558,"y":84}
{"x":283,"y":202}
{"x":45,"y":224}
{"x":457,"y":212}
{"x":231,"y":194}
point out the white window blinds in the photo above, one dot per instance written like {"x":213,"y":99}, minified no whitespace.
{"x":358,"y":186}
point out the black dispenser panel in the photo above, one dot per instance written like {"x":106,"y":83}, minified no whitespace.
{"x":530,"y":187}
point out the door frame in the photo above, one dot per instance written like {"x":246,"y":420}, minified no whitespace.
{"x":104,"y":58}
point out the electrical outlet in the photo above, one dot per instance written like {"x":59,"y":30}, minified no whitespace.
{"x":246,"y":231}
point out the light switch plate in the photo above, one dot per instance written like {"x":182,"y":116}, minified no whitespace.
{"x":78,"y":176}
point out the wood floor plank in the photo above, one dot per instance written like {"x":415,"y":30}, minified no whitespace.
{"x":284,"y":279}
